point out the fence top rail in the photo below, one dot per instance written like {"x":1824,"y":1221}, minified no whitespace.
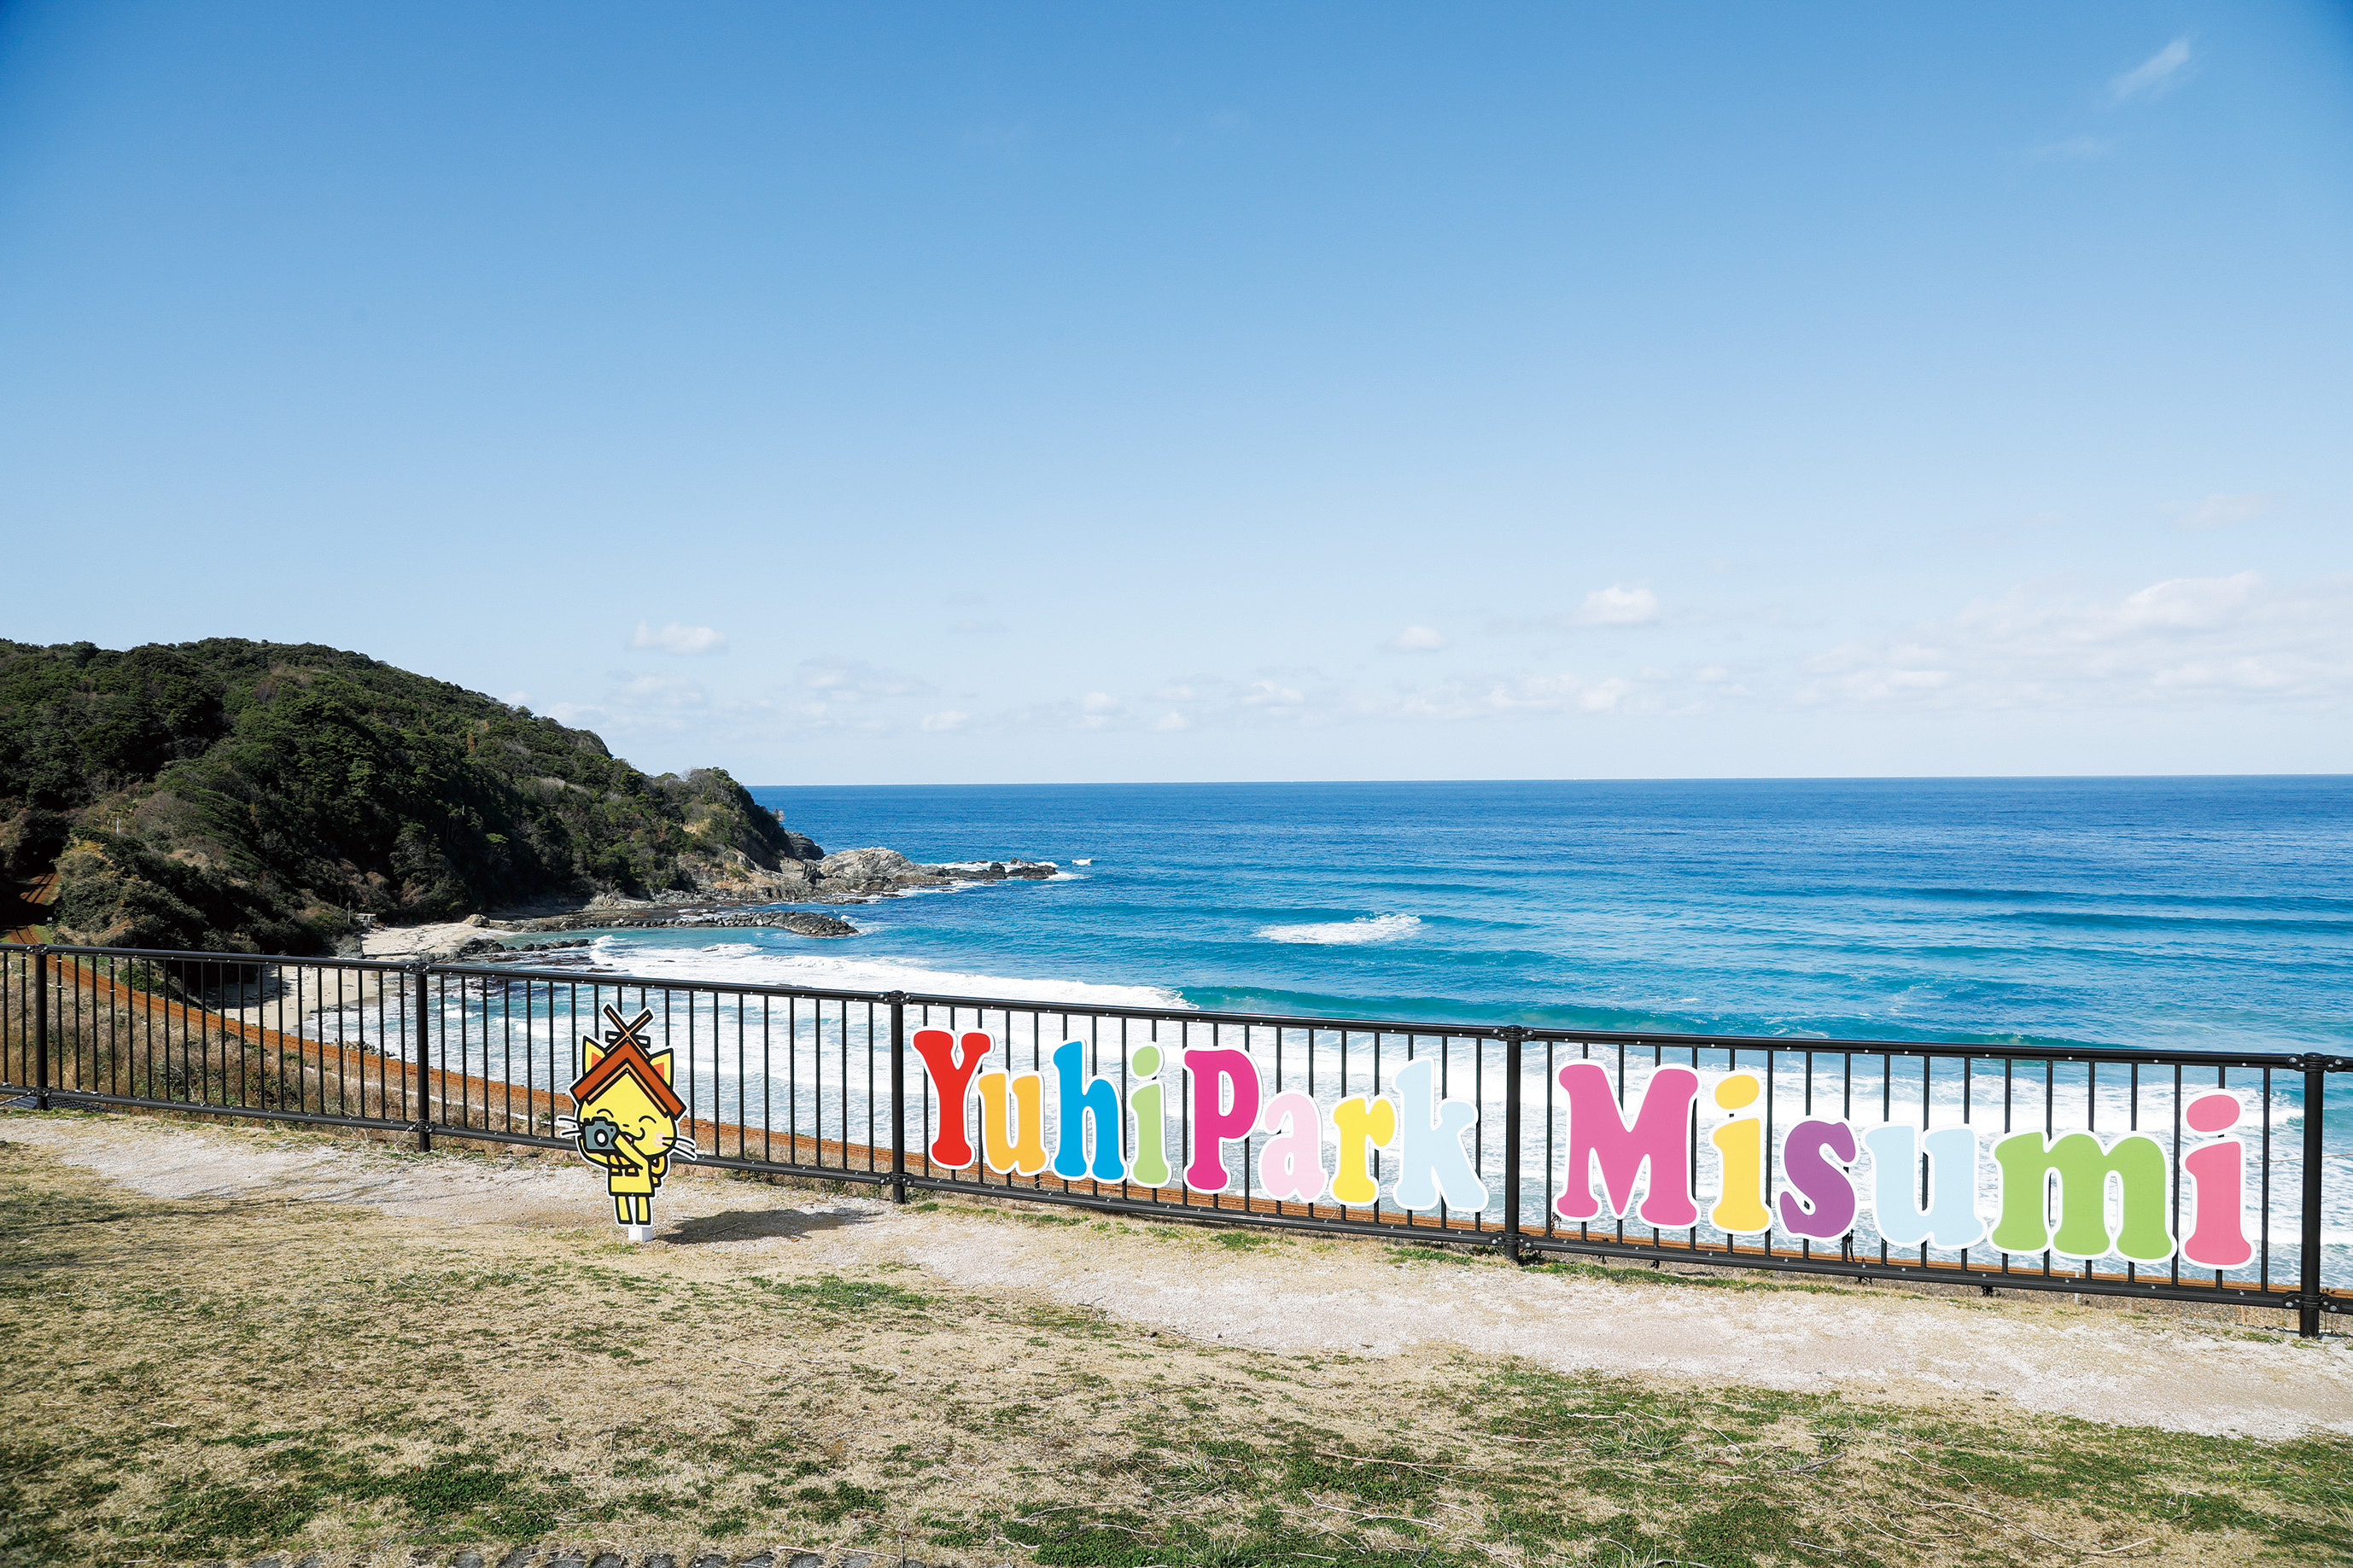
{"x":2279,"y":1062}
{"x":633,"y":981}
{"x":2276,"y":1061}
{"x":2283,"y":1062}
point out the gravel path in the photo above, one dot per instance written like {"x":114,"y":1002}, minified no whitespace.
{"x":1295,"y":1294}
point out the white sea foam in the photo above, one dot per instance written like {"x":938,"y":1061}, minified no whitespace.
{"x":743,"y":964}
{"x":1345,"y":933}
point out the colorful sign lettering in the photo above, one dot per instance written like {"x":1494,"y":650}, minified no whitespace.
{"x":1656,"y":1135}
{"x":1624,"y":1152}
{"x":2218,"y":1180}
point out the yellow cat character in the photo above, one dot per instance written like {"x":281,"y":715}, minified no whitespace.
{"x":628,"y":1119}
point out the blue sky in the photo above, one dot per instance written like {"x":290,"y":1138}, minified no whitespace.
{"x":945,"y":393}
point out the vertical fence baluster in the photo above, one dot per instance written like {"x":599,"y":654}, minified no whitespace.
{"x":898,"y":1097}
{"x":37,"y":1061}
{"x":2315,"y":1116}
{"x":41,"y":1026}
{"x":424,"y":1125}
{"x":1514,"y":1035}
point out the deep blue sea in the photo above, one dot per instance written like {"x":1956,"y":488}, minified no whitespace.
{"x":2180,"y":912}
{"x":2183,"y":913}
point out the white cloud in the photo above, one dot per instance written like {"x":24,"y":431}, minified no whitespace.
{"x":1618,"y":605}
{"x":2223,"y":512}
{"x":1269,"y":694}
{"x":1525,"y":696}
{"x":1415,"y":639}
{"x":1720,"y":682}
{"x":835,"y":693}
{"x":855,"y":680}
{"x":675,"y":637}
{"x":2156,"y":76}
{"x":1305,"y":698}
{"x":2232,"y":640}
{"x":656,"y":691}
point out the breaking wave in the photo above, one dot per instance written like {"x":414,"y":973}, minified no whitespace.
{"x":1345,"y":933}
{"x":743,"y":964}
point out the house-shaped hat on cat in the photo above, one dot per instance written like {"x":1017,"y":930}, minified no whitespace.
{"x":626,"y":1057}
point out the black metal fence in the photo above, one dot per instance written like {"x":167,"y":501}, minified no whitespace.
{"x":1456,"y":1133}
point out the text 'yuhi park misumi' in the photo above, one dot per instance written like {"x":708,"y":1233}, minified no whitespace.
{"x":1923,"y":1187}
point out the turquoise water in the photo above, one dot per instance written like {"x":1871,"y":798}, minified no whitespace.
{"x":2177,"y":913}
{"x":2193,"y":913}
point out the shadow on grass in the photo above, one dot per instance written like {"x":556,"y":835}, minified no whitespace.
{"x":756,"y":1225}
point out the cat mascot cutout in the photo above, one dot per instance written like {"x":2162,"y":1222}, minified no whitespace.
{"x":628,"y":1119}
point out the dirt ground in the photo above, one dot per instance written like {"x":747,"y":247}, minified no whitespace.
{"x":224,"y":1340}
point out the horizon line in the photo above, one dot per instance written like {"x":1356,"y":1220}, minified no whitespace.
{"x":1703,"y":778}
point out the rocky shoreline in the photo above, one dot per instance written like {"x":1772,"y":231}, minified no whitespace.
{"x":849,"y":876}
{"x":856,"y":875}
{"x":805,"y":923}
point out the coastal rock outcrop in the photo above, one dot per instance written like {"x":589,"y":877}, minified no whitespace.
{"x":855,"y":872}
{"x":852,"y":876}
{"x":803,"y":923}
{"x":997,"y":870}
{"x":855,"y":876}
{"x":798,"y":846}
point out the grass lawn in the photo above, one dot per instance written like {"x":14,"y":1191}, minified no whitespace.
{"x":191,"y":1381}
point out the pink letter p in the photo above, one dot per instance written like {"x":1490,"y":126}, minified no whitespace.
{"x":1218,"y":1075}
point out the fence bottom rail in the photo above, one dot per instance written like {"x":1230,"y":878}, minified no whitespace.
{"x":2276,"y":1297}
{"x":1527,"y":1246}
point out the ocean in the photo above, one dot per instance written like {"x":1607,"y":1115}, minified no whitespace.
{"x":2173,"y":912}
{"x":2181,"y":913}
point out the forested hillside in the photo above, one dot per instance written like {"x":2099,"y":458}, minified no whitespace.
{"x":249,"y":796}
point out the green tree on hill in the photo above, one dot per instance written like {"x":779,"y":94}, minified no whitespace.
{"x":249,"y":796}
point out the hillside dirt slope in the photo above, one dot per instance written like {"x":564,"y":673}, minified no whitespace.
{"x":25,"y":907}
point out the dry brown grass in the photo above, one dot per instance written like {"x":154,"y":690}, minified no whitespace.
{"x":192,"y":1380}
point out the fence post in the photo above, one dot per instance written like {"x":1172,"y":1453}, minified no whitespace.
{"x":41,"y":1026}
{"x":898,"y":1000}
{"x":424,"y":1123}
{"x":1514,"y":1035}
{"x":2316,"y":1101}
